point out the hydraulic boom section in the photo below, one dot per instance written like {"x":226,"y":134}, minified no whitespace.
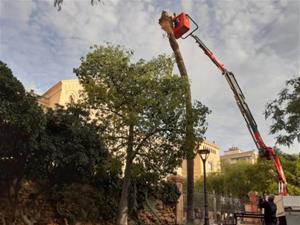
{"x":180,"y":27}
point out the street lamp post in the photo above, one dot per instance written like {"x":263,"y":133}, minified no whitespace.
{"x":203,"y":153}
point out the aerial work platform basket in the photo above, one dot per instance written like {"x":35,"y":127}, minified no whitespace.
{"x":181,"y":25}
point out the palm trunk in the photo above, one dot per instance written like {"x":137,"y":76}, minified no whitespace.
{"x":123,"y":203}
{"x":166,"y":23}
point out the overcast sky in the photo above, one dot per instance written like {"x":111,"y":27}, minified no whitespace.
{"x":258,"y":40}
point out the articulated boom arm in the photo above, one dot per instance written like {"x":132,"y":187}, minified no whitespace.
{"x":240,"y":99}
{"x":264,"y":151}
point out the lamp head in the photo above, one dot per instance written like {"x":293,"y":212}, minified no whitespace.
{"x":204,"y":153}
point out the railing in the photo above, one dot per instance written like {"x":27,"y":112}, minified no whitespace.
{"x":221,"y":208}
{"x":218,"y":203}
{"x":243,"y":215}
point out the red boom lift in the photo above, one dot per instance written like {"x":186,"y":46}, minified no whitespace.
{"x":181,"y":25}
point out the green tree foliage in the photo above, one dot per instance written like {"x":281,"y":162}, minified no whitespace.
{"x":141,"y":107}
{"x":58,"y":155}
{"x":234,"y":180}
{"x":21,"y":121}
{"x":21,"y":125}
{"x":169,"y":193}
{"x":147,"y":184}
{"x":71,"y":146}
{"x":58,"y":3}
{"x":291,"y":167}
{"x":78,"y":171}
{"x":240,"y":178}
{"x":285,"y":113}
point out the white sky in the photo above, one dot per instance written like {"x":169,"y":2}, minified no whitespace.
{"x":258,"y":40}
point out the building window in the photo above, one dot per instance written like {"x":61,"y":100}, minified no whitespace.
{"x":210,"y":166}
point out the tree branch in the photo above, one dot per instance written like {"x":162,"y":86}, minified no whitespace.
{"x":58,"y":3}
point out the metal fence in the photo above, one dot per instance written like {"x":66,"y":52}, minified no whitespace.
{"x":217,"y":203}
{"x":221,"y":208}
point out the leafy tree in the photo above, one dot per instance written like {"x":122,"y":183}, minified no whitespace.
{"x":147,"y":185}
{"x":235,"y":179}
{"x":240,"y":178}
{"x":59,"y":155}
{"x":21,"y":121}
{"x":72,"y":147}
{"x":72,"y":164}
{"x":141,"y":107}
{"x":291,"y":166}
{"x":169,"y":193}
{"x":285,"y":113}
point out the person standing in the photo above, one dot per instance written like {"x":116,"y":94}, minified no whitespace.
{"x":270,"y":209}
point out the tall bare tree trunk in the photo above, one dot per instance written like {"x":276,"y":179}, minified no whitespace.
{"x":166,"y":23}
{"x":123,"y":203}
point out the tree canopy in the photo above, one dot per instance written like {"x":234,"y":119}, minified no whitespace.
{"x":21,"y":121}
{"x":71,"y":146}
{"x":240,"y":178}
{"x":285,"y":113}
{"x":45,"y":153}
{"x":143,"y":94}
{"x":141,"y":107}
{"x":291,"y":167}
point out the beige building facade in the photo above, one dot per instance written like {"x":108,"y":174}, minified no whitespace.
{"x":213,"y":163}
{"x":234,"y":154}
{"x":61,"y":93}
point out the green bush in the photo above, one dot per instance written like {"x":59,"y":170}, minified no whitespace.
{"x":169,"y":193}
